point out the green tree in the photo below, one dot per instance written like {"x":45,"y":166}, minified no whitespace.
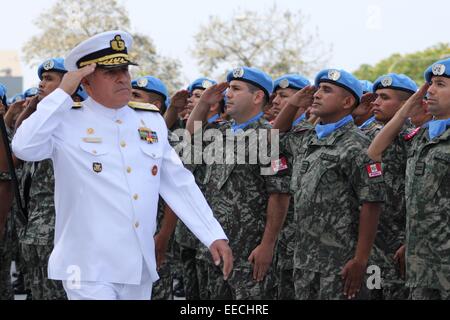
{"x":411,"y":64}
{"x":69,"y":22}
{"x":276,"y":42}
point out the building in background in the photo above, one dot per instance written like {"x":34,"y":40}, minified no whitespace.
{"x":11,"y":72}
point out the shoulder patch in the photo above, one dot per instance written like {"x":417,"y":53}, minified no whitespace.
{"x":374,"y":170}
{"x":77,"y":105}
{"x":139,"y":106}
{"x":411,"y":135}
{"x":279,"y":164}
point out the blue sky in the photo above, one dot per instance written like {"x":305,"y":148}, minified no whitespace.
{"x":360,"y":31}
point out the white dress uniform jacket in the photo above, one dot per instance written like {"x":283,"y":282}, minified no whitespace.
{"x":107,"y":181}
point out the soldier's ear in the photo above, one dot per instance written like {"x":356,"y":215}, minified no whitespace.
{"x":158,"y":104}
{"x":350,"y":102}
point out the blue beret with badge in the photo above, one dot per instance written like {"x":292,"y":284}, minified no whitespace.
{"x":396,"y":82}
{"x":342,"y":79}
{"x":107,"y":50}
{"x":440,"y":68}
{"x":293,"y":81}
{"x":31,"y":92}
{"x":201,"y":83}
{"x":53,"y":64}
{"x":366,"y":85}
{"x":253,"y":76}
{"x":152,"y":84}
{"x":3,"y":95}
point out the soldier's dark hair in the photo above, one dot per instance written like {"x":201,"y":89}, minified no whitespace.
{"x":403,"y":95}
{"x":253,"y":89}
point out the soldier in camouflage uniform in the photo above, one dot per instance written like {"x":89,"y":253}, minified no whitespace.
{"x":38,"y":178}
{"x":427,"y":186}
{"x":6,"y":290}
{"x":392,"y":91}
{"x":250,"y":203}
{"x":285,"y":87}
{"x":362,"y":115}
{"x":333,"y":183}
{"x":152,"y":90}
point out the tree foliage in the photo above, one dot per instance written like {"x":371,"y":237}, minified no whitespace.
{"x":275,"y":41}
{"x":69,"y":22}
{"x":411,"y":64}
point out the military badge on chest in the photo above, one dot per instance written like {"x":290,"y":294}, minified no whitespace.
{"x":148,"y":135}
{"x":97,"y":167}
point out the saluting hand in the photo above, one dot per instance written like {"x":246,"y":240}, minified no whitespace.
{"x":179,"y":100}
{"x":303,"y":98}
{"x":71,"y":80}
{"x":213,"y":94}
{"x":414,"y":103}
{"x":220,"y":250}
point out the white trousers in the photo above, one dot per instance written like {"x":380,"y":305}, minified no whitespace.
{"x":89,"y":290}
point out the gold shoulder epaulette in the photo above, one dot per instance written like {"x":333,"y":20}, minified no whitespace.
{"x":77,"y":105}
{"x":143,"y":106}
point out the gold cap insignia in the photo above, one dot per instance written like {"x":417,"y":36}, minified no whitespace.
{"x":117,"y":44}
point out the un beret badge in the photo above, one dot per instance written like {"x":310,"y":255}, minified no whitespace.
{"x":142,"y":82}
{"x":438,"y":69}
{"x":206,"y":84}
{"x":284,"y":83}
{"x":386,"y":81}
{"x":48,"y":65}
{"x":334,"y":75}
{"x":238,"y":73}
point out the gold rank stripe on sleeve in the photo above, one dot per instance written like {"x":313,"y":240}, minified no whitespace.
{"x":143,"y":106}
{"x":77,"y":105}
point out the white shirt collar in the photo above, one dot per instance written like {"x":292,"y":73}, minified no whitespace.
{"x":110,"y":113}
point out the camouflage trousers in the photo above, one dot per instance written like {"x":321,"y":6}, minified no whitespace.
{"x":163,"y":289}
{"x":285,"y":284}
{"x":35,"y":258}
{"x":190,"y":273}
{"x":6,"y":290}
{"x":240,"y":284}
{"x":428,"y":294}
{"x":390,"y":291}
{"x":310,"y":285}
{"x":202,"y":277}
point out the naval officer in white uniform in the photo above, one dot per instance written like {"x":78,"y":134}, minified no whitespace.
{"x":111,"y":162}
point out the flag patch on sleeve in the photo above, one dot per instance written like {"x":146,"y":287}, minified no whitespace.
{"x":279,"y":164}
{"x":374,"y":170}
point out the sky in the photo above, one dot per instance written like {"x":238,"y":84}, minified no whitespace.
{"x":359,"y":31}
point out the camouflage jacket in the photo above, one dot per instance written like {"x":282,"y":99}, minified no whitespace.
{"x":238,"y":193}
{"x":286,"y":239}
{"x":392,"y":224}
{"x":372,"y":129}
{"x":41,"y":207}
{"x":428,"y":211}
{"x":330,"y":181}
